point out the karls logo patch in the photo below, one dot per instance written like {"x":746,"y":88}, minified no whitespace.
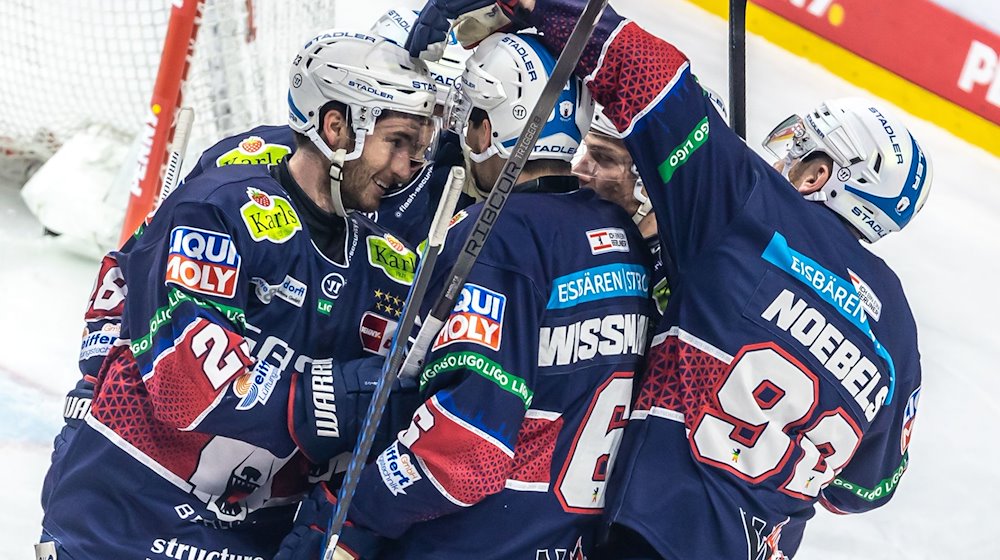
{"x":477,"y":318}
{"x":909,"y":415}
{"x":607,"y":240}
{"x":397,"y":470}
{"x":290,"y":290}
{"x":389,"y":255}
{"x":376,"y":333}
{"x":269,"y":217}
{"x":255,"y":387}
{"x":203,"y":261}
{"x":253,"y":150}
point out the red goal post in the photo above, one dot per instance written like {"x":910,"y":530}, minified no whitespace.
{"x":178,"y":47}
{"x":79,"y":103}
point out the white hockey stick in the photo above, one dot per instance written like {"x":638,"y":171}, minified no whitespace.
{"x":435,"y":240}
{"x":471,"y":248}
{"x":182,"y":132}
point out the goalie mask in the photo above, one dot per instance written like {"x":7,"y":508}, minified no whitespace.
{"x":880,"y":177}
{"x":369,"y":75}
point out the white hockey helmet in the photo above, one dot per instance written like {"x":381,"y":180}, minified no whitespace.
{"x":367,"y":73}
{"x":447,"y":58}
{"x":505,"y":78}
{"x":880,"y":177}
{"x":603,"y":125}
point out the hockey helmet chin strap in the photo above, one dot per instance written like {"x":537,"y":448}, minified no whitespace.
{"x":336,"y":159}
{"x":645,"y":205}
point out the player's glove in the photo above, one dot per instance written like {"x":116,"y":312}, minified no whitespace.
{"x":477,"y":19}
{"x":305,"y":541}
{"x":331,"y":400}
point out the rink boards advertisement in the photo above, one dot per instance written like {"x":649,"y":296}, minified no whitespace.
{"x":916,"y":39}
{"x":928,"y":60}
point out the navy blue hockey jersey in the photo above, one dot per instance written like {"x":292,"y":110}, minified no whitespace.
{"x":530,"y":381}
{"x":785,"y":370}
{"x":406,"y":212}
{"x":224,"y":302}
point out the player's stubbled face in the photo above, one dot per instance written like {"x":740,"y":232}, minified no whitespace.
{"x":386,"y":162}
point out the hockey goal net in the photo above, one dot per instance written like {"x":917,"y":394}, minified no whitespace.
{"x":87,"y":68}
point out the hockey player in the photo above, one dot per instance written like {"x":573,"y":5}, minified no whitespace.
{"x":530,"y":379}
{"x":407,"y":208}
{"x":604,"y":165}
{"x":246,"y":307}
{"x":786,"y":369}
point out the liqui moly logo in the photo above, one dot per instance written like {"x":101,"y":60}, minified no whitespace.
{"x":203,"y":261}
{"x":477,"y":318}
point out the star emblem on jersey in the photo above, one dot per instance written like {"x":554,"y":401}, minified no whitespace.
{"x":388,"y":303}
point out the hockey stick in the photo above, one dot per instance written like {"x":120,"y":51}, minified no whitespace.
{"x":435,"y":241}
{"x":182,"y":131}
{"x":471,"y":248}
{"x":738,"y":66}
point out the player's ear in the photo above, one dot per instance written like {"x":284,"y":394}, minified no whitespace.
{"x":814,"y":174}
{"x":334,"y":129}
{"x":480,"y":131}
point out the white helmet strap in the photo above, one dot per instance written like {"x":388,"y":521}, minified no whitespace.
{"x":645,"y":205}
{"x":336,"y":159}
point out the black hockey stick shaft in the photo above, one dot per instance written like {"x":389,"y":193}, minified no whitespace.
{"x":474,"y":242}
{"x":738,"y":66}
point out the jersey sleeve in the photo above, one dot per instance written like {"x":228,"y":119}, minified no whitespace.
{"x":459,"y":447}
{"x":187,"y":326}
{"x":698,"y":172}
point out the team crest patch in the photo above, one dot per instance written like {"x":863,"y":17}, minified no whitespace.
{"x":376,"y":333}
{"x":269,"y":217}
{"x":253,"y":150}
{"x":203,"y":261}
{"x":392,"y":257}
{"x":477,"y":318}
{"x":607,"y":240}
